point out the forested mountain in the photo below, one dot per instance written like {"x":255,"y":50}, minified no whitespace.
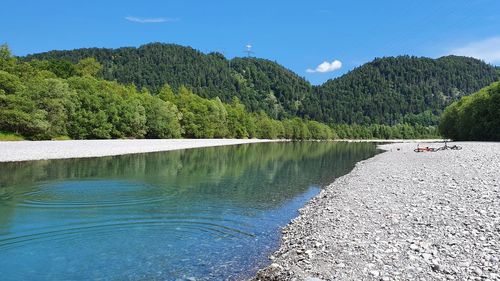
{"x":399,"y":89}
{"x":389,"y":90}
{"x":260,"y":84}
{"x":36,"y":103}
{"x":282,"y":91}
{"x":155,"y":64}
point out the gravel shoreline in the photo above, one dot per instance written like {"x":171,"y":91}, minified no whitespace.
{"x":400,"y":215}
{"x":11,"y":151}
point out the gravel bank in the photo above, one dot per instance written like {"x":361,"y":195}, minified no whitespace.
{"x":395,"y":140}
{"x":38,"y":150}
{"x":400,"y":216}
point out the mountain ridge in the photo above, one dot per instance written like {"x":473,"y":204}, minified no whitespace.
{"x":387,"y":90}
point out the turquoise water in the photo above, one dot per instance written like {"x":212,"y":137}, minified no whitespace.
{"x":208,"y":214}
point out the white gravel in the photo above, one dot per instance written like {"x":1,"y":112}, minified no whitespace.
{"x":422,"y":141}
{"x":38,"y":150}
{"x":400,"y":216}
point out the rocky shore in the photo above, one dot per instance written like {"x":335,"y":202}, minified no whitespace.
{"x":400,"y":216}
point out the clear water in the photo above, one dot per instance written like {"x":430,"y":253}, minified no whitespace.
{"x":208,"y":214}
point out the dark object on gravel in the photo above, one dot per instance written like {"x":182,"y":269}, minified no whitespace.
{"x":432,"y":149}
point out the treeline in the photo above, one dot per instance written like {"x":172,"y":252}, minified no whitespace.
{"x":475,"y":117}
{"x":38,"y":104}
{"x":389,"y":91}
{"x":58,"y":99}
{"x":259,"y":84}
{"x":375,"y":131}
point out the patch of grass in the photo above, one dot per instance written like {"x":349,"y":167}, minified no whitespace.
{"x":4,"y":136}
{"x":60,"y":138}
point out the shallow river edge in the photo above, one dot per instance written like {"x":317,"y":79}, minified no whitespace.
{"x":13,"y":151}
{"x":400,"y":215}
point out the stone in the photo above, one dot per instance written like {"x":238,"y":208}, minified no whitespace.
{"x":309,"y":278}
{"x":436,"y":267}
{"x":275,"y":265}
{"x":427,"y":256}
{"x":382,"y":223}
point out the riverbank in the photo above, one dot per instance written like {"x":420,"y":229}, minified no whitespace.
{"x":11,"y":151}
{"x":40,"y":150}
{"x":394,"y":140}
{"x":400,"y":215}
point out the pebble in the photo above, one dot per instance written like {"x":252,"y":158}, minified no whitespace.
{"x":313,"y":279}
{"x":427,"y":256}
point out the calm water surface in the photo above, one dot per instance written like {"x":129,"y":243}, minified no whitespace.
{"x":209,"y":214}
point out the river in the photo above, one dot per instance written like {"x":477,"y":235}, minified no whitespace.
{"x":197,"y":214}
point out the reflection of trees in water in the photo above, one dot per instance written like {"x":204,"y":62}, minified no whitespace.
{"x":260,"y":175}
{"x":220,"y":206}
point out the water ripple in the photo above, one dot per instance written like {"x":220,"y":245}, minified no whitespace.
{"x":91,"y":194}
{"x":171,"y":227}
{"x":207,"y":214}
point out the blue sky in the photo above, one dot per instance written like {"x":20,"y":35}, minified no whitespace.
{"x":317,"y":39}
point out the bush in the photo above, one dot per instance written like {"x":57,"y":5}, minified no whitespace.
{"x":474,"y":117}
{"x":10,"y":137}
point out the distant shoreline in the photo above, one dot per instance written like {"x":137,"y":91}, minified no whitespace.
{"x":395,"y":140}
{"x":15,"y":151}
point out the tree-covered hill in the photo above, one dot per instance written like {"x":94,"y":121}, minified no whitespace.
{"x":474,"y":117}
{"x":399,"y":89}
{"x":58,"y":99}
{"x":282,"y":91}
{"x":389,"y":90}
{"x":260,"y":84}
{"x":36,"y":103}
{"x":155,"y":64}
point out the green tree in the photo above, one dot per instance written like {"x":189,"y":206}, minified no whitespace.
{"x":319,"y":131}
{"x":9,"y":83}
{"x":238,"y":120}
{"x":20,"y":116}
{"x":266,"y":128}
{"x":88,"y":66}
{"x":166,"y":93}
{"x":56,"y":100}
{"x":475,"y":117}
{"x":5,"y":52}
{"x":162,"y":118}
{"x":61,"y":68}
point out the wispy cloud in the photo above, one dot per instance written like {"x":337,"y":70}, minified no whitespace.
{"x":487,"y":50}
{"x":326,"y":67}
{"x":150,"y":20}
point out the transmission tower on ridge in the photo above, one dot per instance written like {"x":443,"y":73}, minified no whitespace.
{"x":249,"y":51}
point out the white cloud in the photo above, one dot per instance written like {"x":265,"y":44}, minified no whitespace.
{"x":326,"y":67}
{"x":149,"y":20}
{"x":487,"y":50}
